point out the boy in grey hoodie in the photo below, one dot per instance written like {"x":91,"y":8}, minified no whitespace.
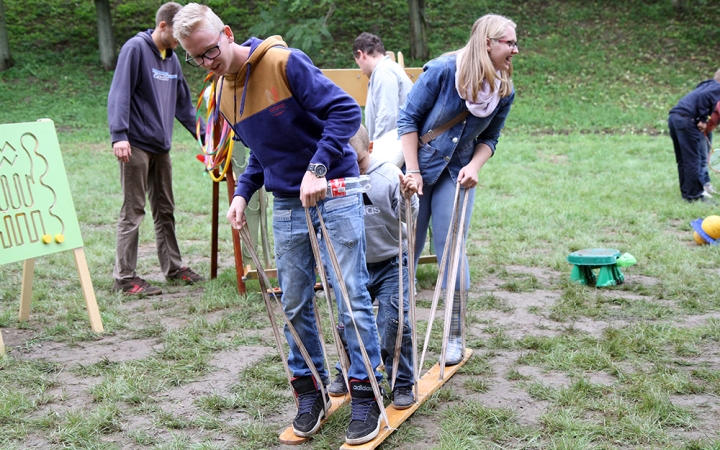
{"x":384,"y":206}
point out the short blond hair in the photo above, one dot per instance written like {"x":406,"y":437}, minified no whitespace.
{"x":194,"y":16}
{"x":361,"y":141}
{"x":476,"y":66}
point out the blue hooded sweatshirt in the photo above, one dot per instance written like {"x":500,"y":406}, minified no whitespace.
{"x":700,"y":103}
{"x":289,"y":114}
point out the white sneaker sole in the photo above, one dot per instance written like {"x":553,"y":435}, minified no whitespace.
{"x":297,"y":432}
{"x":366,"y":438}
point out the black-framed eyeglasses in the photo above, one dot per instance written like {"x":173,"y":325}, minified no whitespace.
{"x":511,"y":44}
{"x":211,"y":53}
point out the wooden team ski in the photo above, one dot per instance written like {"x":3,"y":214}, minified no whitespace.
{"x":289,"y":438}
{"x":427,"y":385}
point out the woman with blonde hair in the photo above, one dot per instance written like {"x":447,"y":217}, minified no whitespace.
{"x":449,"y":127}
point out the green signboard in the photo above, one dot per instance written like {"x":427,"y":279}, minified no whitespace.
{"x":37,"y":215}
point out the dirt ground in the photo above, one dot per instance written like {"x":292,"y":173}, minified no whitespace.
{"x":526,"y":314}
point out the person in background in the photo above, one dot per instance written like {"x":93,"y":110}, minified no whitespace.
{"x":384,"y":208}
{"x":476,"y":78}
{"x":388,"y":86}
{"x":687,"y":122}
{"x":297,"y":124}
{"x":709,"y":128}
{"x":148,"y":92}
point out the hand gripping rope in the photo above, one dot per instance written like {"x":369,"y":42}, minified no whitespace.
{"x":346,"y":298}
{"x":214,"y":156}
{"x":451,"y":256}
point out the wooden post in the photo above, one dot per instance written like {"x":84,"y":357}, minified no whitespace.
{"x":87,"y":289}
{"x":26,"y":289}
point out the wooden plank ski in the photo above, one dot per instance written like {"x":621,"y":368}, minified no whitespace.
{"x":427,"y":385}
{"x":289,"y":438}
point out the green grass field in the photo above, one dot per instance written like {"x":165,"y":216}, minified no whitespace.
{"x":584,"y":162}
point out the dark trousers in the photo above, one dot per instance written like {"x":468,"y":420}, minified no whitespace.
{"x":146,"y":174}
{"x":690,"y":154}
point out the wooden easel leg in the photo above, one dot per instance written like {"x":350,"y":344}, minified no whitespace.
{"x":26,"y":289}
{"x":88,"y":291}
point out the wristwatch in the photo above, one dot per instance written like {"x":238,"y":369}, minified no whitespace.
{"x":318,"y":170}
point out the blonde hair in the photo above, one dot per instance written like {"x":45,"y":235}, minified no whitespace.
{"x":476,"y":66}
{"x":361,"y":141}
{"x":194,"y":16}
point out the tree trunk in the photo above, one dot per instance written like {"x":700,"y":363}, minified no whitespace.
{"x":6,"y":60}
{"x":680,"y":6}
{"x":418,"y":39}
{"x":106,"y":41}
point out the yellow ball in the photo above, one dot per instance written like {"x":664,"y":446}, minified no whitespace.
{"x":711,"y":225}
{"x":698,"y":239}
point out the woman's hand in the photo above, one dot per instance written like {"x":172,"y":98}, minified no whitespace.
{"x":409,"y":143}
{"x":468,"y":176}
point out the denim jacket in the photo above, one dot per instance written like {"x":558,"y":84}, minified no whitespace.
{"x":434,"y":101}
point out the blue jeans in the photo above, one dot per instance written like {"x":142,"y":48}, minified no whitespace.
{"x":436,"y":204}
{"x":343,"y":218}
{"x":706,"y":168}
{"x":384,"y":285}
{"x":690,"y":155}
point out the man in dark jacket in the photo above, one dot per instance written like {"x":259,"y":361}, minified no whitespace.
{"x":148,"y":92}
{"x":687,"y":122}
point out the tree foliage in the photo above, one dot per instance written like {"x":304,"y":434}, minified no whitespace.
{"x":289,"y":19}
{"x":325,"y":29}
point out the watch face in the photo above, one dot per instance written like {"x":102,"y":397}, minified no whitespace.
{"x":320,"y":170}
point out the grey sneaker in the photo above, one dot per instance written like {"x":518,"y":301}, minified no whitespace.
{"x":403,"y":397}
{"x":136,"y":286}
{"x":337,"y":387}
{"x":710,"y":189}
